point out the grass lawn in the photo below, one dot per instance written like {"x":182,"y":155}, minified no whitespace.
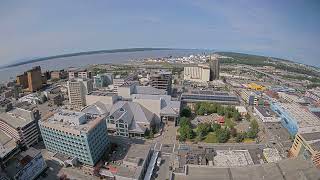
{"x":249,"y":140}
{"x":211,"y":138}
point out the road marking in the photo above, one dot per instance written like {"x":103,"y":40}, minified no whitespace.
{"x":155,"y":145}
{"x":174,"y":147}
{"x":160,"y":147}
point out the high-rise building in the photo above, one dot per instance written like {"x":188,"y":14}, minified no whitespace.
{"x":31,"y":80}
{"x":200,"y":73}
{"x":161,"y":80}
{"x":77,"y":90}
{"x":214,"y":68}
{"x":75,"y":134}
{"x":21,"y":124}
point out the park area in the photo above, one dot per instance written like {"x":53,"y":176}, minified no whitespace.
{"x":214,"y":123}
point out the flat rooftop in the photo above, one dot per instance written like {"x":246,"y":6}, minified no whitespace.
{"x":304,"y":118}
{"x":101,"y":93}
{"x":265,"y":111}
{"x":16,"y":117}
{"x":234,"y":158}
{"x":7,"y":142}
{"x":293,"y":169}
{"x":313,"y":139}
{"x":66,"y":125}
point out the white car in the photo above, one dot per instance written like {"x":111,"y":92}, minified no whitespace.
{"x":159,"y":162}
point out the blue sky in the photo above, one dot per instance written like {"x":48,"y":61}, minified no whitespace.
{"x":287,"y":29}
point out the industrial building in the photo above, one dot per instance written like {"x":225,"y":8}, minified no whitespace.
{"x":256,"y":87}
{"x":77,"y":90}
{"x":199,"y":73}
{"x":21,"y":124}
{"x":214,"y":68}
{"x":307,"y":145}
{"x":296,"y":118}
{"x":209,"y":96}
{"x":75,"y":134}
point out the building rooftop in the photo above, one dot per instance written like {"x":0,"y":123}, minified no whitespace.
{"x":293,"y":169}
{"x":149,"y":90}
{"x":7,"y":143}
{"x":265,"y":111}
{"x":313,"y":139}
{"x":17,"y":117}
{"x":306,"y":121}
{"x":70,"y":121}
{"x":101,"y":93}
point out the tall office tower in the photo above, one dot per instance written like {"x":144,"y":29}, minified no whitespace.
{"x":77,"y":90}
{"x":200,"y":73}
{"x":102,"y":80}
{"x":32,"y":79}
{"x":161,"y":80}
{"x":76,"y":135}
{"x":214,"y":68}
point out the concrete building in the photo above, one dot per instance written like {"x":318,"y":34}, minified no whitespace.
{"x":313,"y":94}
{"x":266,"y":114}
{"x":21,"y":124}
{"x":31,"y":80}
{"x":307,"y":145}
{"x":127,"y":80}
{"x":5,"y":105}
{"x":133,"y":167}
{"x":102,"y":80}
{"x":79,"y":73}
{"x":296,"y":118}
{"x":214,"y":68}
{"x":249,"y":97}
{"x":76,"y":135}
{"x":59,"y":74}
{"x":33,"y":98}
{"x":271,"y":155}
{"x":8,"y":148}
{"x":161,"y":80}
{"x":104,"y":97}
{"x":209,"y":96}
{"x":242,"y":110}
{"x":291,"y":98}
{"x":77,"y":91}
{"x":27,"y":165}
{"x":200,"y":73}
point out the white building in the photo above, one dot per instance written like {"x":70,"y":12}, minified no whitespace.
{"x":77,"y":90}
{"x":200,"y":73}
{"x":104,"y":97}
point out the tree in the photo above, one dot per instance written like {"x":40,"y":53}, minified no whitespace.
{"x":202,"y":110}
{"x":248,"y":117}
{"x":220,"y":111}
{"x":203,"y":129}
{"x":254,"y":129}
{"x":215,"y":127}
{"x":240,"y":137}
{"x":233,"y":132}
{"x":223,"y":135}
{"x":236,"y":116}
{"x":185,"y":112}
{"x":184,"y":122}
{"x":186,"y":132}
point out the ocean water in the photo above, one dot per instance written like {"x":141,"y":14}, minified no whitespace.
{"x":84,"y":60}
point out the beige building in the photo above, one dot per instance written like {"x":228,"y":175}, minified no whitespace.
{"x":200,"y":73}
{"x":31,"y":80}
{"x":77,"y":90}
{"x":307,"y":145}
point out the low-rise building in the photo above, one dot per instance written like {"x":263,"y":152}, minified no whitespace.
{"x":242,"y":110}
{"x":75,"y":134}
{"x":27,"y":165}
{"x":104,"y":97}
{"x":59,"y":74}
{"x":265,"y":114}
{"x":134,"y":166}
{"x":271,"y":155}
{"x":102,"y":80}
{"x":8,"y":148}
{"x":209,"y":96}
{"x":5,"y":105}
{"x":296,"y":118}
{"x":249,"y":97}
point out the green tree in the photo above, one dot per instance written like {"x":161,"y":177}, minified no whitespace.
{"x":223,"y":135}
{"x":203,"y":129}
{"x":185,"y":112}
{"x":184,"y":122}
{"x":233,"y":132}
{"x":215,"y":127}
{"x":254,"y":129}
{"x":186,"y":132}
{"x":240,"y":137}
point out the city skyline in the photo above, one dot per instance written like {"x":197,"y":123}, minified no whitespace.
{"x":280,"y":29}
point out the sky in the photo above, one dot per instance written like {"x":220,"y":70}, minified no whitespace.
{"x":280,"y":28}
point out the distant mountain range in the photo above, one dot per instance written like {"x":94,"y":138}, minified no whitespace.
{"x":83,"y":53}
